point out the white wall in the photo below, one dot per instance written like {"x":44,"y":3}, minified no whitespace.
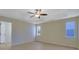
{"x":54,"y":32}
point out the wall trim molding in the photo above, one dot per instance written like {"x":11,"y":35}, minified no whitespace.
{"x":54,"y":43}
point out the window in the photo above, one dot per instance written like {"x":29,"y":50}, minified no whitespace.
{"x":38,"y":30}
{"x":70,"y":29}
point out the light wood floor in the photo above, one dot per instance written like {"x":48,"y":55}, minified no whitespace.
{"x":40,"y":46}
{"x":36,"y":46}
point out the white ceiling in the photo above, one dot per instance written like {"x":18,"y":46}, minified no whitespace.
{"x":53,"y":14}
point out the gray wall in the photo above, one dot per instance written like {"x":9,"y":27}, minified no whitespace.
{"x":22,"y":32}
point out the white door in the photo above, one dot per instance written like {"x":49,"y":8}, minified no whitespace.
{"x":5,"y":32}
{"x":8,"y":32}
{"x":2,"y":32}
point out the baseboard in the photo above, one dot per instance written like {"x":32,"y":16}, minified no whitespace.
{"x":54,"y":43}
{"x":22,"y":43}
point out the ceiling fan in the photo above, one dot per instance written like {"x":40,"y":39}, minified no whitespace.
{"x":38,"y":13}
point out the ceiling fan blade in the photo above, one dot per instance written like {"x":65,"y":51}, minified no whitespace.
{"x":30,"y":12}
{"x":44,"y":14}
{"x":32,"y":16}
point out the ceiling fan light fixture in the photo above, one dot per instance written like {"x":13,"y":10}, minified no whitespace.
{"x":37,"y":15}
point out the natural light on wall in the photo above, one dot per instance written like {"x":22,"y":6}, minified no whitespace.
{"x":38,"y":30}
{"x":34,"y":31}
